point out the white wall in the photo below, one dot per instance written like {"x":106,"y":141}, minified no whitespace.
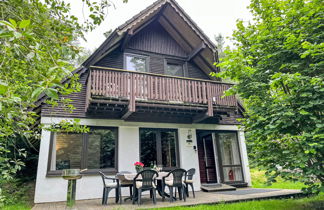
{"x":188,"y":156}
{"x":244,"y":158}
{"x":51,"y":189}
{"x":128,"y":148}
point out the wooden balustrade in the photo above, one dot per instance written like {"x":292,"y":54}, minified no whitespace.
{"x":115,"y":83}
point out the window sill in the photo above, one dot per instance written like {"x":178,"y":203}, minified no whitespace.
{"x":92,"y":172}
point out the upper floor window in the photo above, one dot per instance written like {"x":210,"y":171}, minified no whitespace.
{"x":136,"y":63}
{"x":174,"y":68}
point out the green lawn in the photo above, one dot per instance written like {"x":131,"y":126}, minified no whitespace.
{"x":16,"y":207}
{"x":258,"y":181}
{"x":315,"y":202}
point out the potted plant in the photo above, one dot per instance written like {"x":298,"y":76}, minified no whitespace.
{"x":138,"y":166}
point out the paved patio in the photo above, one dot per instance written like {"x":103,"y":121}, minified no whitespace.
{"x":242,"y":194}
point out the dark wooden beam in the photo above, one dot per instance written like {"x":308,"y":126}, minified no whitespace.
{"x":200,"y":117}
{"x":207,"y":63}
{"x":157,"y":16}
{"x":196,"y":51}
{"x":126,"y":39}
{"x":126,"y":114}
{"x":176,"y":30}
{"x":171,"y":106}
{"x":187,"y":42}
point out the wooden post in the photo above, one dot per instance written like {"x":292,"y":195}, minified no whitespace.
{"x":132,"y":94}
{"x":209,"y":101}
{"x":88,"y":92}
{"x":131,"y":105}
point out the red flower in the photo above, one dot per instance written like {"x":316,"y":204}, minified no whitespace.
{"x":138,"y":164}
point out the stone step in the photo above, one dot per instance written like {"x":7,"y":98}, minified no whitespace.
{"x":216,"y":187}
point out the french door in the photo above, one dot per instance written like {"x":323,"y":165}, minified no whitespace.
{"x":229,"y":157}
{"x":219,"y":157}
{"x":209,"y":159}
{"x":160,"y":147}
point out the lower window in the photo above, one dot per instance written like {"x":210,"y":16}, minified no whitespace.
{"x":160,"y":147}
{"x":92,"y":151}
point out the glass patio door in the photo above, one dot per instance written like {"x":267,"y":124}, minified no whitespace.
{"x":159,"y":146}
{"x":230,"y":160}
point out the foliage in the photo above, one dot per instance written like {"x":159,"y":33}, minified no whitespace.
{"x":84,"y":55}
{"x":68,"y":126}
{"x":220,"y":44}
{"x":314,"y":202}
{"x":278,"y":66}
{"x":38,"y":40}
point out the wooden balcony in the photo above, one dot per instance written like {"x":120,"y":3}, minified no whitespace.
{"x":120,"y":94}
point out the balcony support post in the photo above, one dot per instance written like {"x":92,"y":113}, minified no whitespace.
{"x":88,"y":92}
{"x":131,"y":105}
{"x":210,"y":111}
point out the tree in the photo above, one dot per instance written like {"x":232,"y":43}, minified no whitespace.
{"x":38,"y":40}
{"x":278,"y":65}
{"x":82,"y":56}
{"x":220,"y":42}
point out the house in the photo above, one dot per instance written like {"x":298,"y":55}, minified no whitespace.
{"x":147,"y":95}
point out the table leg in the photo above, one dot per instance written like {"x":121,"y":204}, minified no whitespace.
{"x":161,"y":190}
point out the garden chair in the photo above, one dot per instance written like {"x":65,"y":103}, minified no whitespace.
{"x":125,"y":183}
{"x":145,"y":180}
{"x":189,"y":181}
{"x":109,"y":184}
{"x":177,"y":181}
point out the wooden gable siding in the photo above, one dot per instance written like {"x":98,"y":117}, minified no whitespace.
{"x":112,"y":60}
{"x":154,"y":38}
{"x":78,"y":101}
{"x":195,"y":72}
{"x":156,"y":64}
{"x":154,"y":42}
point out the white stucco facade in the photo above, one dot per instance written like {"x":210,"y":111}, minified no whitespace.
{"x":52,"y":189}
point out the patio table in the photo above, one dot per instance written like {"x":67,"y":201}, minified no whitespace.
{"x":131,"y":176}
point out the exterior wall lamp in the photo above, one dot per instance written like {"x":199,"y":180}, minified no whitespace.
{"x":189,"y":140}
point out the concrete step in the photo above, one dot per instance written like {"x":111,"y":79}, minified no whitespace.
{"x":216,"y":187}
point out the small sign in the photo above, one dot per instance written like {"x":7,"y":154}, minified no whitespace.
{"x":189,"y":142}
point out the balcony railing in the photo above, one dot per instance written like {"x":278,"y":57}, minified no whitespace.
{"x":137,"y":86}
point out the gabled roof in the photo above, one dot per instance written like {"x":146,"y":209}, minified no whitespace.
{"x":176,"y":22}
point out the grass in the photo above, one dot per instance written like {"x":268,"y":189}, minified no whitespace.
{"x":258,"y":181}
{"x":314,"y":202}
{"x":17,"y":207}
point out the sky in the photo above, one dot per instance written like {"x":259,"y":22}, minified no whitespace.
{"x":212,"y":16}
